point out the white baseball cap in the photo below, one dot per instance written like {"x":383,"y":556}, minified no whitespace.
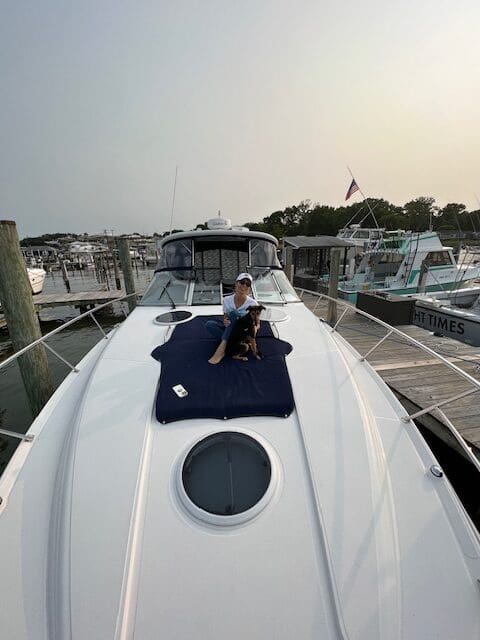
{"x":244,"y":276}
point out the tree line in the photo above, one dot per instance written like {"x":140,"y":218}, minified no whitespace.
{"x":417,"y":215}
{"x":307,"y":219}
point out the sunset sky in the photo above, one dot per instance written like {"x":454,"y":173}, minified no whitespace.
{"x":260,"y":105}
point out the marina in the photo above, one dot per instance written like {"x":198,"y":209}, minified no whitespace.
{"x":157,"y":447}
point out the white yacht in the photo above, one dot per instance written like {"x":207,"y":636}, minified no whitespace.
{"x":158,"y":496}
{"x":394,"y":266}
{"x":362,"y":238}
{"x":37,"y":279}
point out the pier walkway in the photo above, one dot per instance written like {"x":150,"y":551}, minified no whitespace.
{"x":412,"y":372}
{"x":80,"y":299}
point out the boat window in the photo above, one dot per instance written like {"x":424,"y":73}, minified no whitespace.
{"x":264,"y":287}
{"x":226,"y":473}
{"x":361,"y":234}
{"x":263,"y":254}
{"x":176,"y":254}
{"x":285,"y":287}
{"x":438,"y":258}
{"x":168,"y":288}
{"x":207,"y":287}
{"x":389,"y":258}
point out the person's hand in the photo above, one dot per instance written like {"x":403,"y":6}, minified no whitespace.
{"x":226,"y":321}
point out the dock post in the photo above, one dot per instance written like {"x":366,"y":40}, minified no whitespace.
{"x":289,"y":268}
{"x":118,"y":284}
{"x":22,"y":321}
{"x":125,"y":261}
{"x":333,"y":285}
{"x":65,"y":275}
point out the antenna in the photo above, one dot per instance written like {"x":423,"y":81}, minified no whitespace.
{"x":173,"y":199}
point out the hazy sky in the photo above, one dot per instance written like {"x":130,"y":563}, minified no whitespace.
{"x":261,"y":104}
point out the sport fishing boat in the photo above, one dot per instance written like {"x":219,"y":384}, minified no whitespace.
{"x":363,"y":238}
{"x":159,"y":496}
{"x":395,"y":264}
{"x":37,"y":279}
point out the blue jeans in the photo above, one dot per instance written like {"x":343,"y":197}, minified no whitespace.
{"x":218,"y":330}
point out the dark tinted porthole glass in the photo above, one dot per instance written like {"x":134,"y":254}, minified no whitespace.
{"x":227,"y":473}
{"x":173,"y":316}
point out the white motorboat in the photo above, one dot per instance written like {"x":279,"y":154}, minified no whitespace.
{"x":158,"y":496}
{"x":395,"y":264}
{"x":37,"y":278}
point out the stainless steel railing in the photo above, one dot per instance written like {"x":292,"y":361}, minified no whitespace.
{"x":393,"y":330}
{"x":42,"y":340}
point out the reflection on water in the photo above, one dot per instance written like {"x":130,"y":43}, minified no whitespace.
{"x":72,"y":343}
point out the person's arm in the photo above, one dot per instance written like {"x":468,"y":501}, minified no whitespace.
{"x":226,"y":319}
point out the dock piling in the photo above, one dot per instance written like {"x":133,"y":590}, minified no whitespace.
{"x":22,"y":321}
{"x":333,"y":285}
{"x":125,"y":261}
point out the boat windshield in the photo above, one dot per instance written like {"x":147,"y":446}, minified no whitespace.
{"x":186,"y":287}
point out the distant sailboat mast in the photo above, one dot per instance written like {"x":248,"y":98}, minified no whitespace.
{"x":173,"y":199}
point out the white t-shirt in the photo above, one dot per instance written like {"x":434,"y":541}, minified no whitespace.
{"x":229,"y":305}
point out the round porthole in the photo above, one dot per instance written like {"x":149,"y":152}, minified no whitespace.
{"x":173,"y":317}
{"x":226,"y":474}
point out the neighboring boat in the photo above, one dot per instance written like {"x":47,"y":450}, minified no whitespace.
{"x":394,"y":266}
{"x":163,"y":497}
{"x":463,"y":297}
{"x":37,"y":279}
{"x":363,"y":238}
{"x":444,"y":319}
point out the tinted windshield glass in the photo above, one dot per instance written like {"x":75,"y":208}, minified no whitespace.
{"x":285,"y":287}
{"x":168,"y":288}
{"x":186,"y":287}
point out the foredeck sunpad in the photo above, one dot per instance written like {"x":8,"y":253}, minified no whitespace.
{"x":230,"y":389}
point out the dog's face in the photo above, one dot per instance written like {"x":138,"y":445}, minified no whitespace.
{"x":255,"y":310}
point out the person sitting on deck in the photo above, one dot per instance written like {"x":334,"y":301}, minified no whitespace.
{"x":234,"y":306}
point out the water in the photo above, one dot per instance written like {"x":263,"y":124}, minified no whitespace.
{"x":72,"y":343}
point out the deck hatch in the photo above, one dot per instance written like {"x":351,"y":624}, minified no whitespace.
{"x":226,"y":473}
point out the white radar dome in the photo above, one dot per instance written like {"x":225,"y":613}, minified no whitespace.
{"x":219,"y":223}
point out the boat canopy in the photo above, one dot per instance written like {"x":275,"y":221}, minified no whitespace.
{"x":232,"y":252}
{"x":198,"y":268}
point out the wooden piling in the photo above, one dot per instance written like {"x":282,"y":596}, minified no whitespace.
{"x":22,"y":321}
{"x":65,"y":275}
{"x":333,"y":285}
{"x":126,"y":263}
{"x":289,"y":267}
{"x":118,"y":284}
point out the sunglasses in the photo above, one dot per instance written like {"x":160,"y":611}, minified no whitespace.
{"x":244,"y":282}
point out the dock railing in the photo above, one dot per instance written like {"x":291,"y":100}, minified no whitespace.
{"x":28,"y":437}
{"x":415,"y":343}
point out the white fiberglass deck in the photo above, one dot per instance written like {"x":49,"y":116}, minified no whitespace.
{"x":359,"y":540}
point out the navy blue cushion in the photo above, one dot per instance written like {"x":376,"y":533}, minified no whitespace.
{"x":230,"y":389}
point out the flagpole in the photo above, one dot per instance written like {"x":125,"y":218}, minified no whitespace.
{"x":364,"y":197}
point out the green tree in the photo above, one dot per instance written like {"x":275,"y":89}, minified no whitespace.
{"x":451,"y":217}
{"x":419,"y":213}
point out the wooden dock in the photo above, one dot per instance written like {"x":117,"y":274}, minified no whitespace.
{"x":80,"y":299}
{"x":413,"y":373}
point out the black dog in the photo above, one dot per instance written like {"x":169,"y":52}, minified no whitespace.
{"x":243,"y":335}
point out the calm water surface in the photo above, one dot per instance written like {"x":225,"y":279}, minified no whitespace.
{"x":72,"y":343}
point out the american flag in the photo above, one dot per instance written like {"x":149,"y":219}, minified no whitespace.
{"x":351,"y":189}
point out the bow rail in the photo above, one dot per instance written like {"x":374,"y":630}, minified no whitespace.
{"x":393,"y":330}
{"x":42,"y":340}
